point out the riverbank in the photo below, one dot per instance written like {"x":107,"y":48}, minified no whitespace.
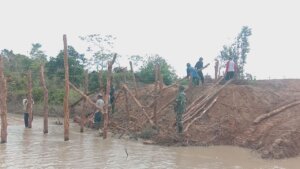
{"x":230,"y":121}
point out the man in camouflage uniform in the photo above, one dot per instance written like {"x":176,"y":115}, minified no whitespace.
{"x":180,"y":108}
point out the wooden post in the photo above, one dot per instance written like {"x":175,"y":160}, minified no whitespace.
{"x":156,"y":73}
{"x":3,"y":105}
{"x":43,"y":84}
{"x":30,"y":100}
{"x":67,"y":90}
{"x":134,"y":81}
{"x":86,"y":81}
{"x":159,"y":78}
{"x":108,"y":77}
{"x":127,"y":108}
{"x":100,"y":80}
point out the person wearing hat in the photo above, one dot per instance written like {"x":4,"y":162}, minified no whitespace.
{"x":179,"y":108}
{"x":98,"y":113}
{"x":199,"y":67}
{"x":231,"y":69}
{"x":191,"y":72}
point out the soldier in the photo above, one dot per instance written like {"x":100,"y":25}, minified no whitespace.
{"x":180,"y":108}
{"x":199,"y":67}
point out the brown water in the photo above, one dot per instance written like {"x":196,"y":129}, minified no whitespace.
{"x":30,"y":148}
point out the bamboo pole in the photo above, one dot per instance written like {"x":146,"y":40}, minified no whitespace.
{"x":3,"y":104}
{"x":84,"y":107}
{"x":30,"y":100}
{"x":276,"y":111}
{"x":46,"y":109}
{"x":134,"y":81}
{"x":108,"y":77}
{"x":67,"y":90}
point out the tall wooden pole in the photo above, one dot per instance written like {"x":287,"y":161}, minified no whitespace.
{"x":30,"y":100}
{"x":100,"y":80}
{"x":108,"y":77}
{"x":84,"y":106}
{"x":46,"y":109}
{"x":134,"y":81}
{"x":67,"y":90}
{"x":156,"y":73}
{"x":3,"y":105}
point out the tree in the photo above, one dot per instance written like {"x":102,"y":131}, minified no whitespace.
{"x":37,"y":54}
{"x":55,"y":67}
{"x":100,"y":46}
{"x":146,"y":73}
{"x":238,"y":50}
{"x":136,"y":60}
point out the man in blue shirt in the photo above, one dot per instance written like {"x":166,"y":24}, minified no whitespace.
{"x":191,"y":72}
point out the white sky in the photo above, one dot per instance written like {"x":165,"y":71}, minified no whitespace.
{"x":179,"y":31}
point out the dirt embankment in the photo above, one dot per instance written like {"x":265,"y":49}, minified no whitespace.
{"x":230,"y":121}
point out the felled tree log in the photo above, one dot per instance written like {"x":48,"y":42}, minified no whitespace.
{"x":139,"y":104}
{"x":276,"y":111}
{"x":202,"y":114}
{"x":85,"y":97}
{"x":207,"y":98}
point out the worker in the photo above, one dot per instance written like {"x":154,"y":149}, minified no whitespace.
{"x":199,"y":67}
{"x":231,"y":69}
{"x":112,"y":98}
{"x":216,"y":68}
{"x":26,"y":113}
{"x":98,"y":113}
{"x":179,"y":108}
{"x":191,"y":72}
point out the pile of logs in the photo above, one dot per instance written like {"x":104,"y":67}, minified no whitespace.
{"x":197,"y":109}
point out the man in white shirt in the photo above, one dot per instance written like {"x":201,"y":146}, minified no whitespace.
{"x":26,"y":114}
{"x":98,"y":113}
{"x":231,"y":69}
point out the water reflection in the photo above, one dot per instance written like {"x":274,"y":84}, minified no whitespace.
{"x":30,"y":148}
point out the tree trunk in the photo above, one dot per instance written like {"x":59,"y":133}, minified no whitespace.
{"x":3,"y":105}
{"x":30,"y":100}
{"x":43,"y":84}
{"x":108,"y":77}
{"x":67,"y":90}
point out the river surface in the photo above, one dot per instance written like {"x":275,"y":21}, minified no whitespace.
{"x":30,"y":148}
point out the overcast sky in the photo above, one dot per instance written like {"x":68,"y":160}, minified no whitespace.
{"x":179,"y":31}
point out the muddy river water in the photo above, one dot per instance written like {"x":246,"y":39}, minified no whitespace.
{"x":30,"y":148}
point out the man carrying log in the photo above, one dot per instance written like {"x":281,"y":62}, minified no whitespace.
{"x":199,"y":67}
{"x":180,"y":104}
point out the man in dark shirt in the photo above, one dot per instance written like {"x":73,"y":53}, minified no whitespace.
{"x":199,"y":67}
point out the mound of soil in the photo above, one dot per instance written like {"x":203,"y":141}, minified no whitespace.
{"x":228,"y":122}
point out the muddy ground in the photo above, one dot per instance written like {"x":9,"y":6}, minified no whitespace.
{"x":228,"y":122}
